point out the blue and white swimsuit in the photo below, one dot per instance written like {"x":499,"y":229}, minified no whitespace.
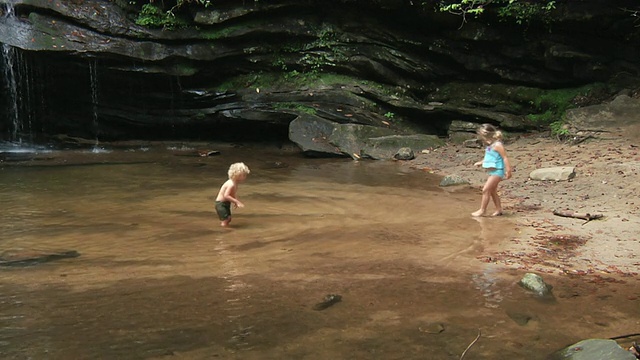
{"x":493,"y":161}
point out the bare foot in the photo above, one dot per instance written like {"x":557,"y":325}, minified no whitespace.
{"x":225,"y":223}
{"x":497,"y":213}
{"x":477,"y":213}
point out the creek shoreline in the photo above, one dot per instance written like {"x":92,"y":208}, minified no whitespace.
{"x":605,"y":183}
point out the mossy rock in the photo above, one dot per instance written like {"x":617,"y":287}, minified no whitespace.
{"x":385,"y":147}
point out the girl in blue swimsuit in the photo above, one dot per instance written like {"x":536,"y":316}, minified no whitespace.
{"x":497,"y":165}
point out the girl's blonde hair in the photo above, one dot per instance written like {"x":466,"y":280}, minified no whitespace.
{"x":489,"y":132}
{"x":237,"y":169}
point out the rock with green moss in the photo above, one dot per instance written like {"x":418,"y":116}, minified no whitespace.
{"x":385,"y":147}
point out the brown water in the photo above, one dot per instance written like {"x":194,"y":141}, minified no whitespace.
{"x":159,"y":278}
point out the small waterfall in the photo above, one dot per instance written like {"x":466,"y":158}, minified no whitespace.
{"x":18,"y":82}
{"x":9,"y":10}
{"x":8,"y":61}
{"x":95,"y":101}
{"x":93,"y":78}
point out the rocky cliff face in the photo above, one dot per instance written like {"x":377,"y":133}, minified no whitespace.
{"x":248,"y":69}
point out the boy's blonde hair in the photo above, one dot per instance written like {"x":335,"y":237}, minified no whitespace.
{"x":237,"y":169}
{"x":489,"y":132}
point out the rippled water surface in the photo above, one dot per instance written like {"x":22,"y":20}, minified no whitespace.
{"x":157,"y":277}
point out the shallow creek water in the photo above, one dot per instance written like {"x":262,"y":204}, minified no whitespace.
{"x":159,"y":278}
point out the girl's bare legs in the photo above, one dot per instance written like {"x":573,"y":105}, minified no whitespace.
{"x":496,"y":202}
{"x":226,"y":222}
{"x":490,"y":187}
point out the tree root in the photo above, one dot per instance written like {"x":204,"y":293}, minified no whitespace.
{"x":584,"y":216}
{"x":470,"y":345}
{"x":624,"y":336}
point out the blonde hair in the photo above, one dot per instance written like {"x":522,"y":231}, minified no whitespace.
{"x":238,"y":169}
{"x":489,"y":132}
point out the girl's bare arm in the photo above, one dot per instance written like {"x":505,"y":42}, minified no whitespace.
{"x":507,"y":165}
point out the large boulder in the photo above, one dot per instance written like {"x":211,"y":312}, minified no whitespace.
{"x":618,"y":115}
{"x":312,"y":134}
{"x":353,"y":139}
{"x":320,"y":137}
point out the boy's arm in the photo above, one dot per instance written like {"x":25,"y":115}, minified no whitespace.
{"x":229,"y":196}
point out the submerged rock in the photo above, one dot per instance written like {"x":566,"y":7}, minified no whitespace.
{"x":536,"y":284}
{"x":24,"y":257}
{"x":328,"y":301}
{"x":17,"y":156}
{"x":520,"y":318}
{"x":432,"y":328}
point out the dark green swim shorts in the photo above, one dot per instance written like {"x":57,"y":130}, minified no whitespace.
{"x":223,"y":208}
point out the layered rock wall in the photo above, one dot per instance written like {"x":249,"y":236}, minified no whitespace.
{"x":246,"y":70}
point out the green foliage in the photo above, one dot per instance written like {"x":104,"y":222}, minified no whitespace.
{"x":205,"y":3}
{"x":559,"y":128}
{"x":315,"y":61}
{"x":293,"y":47}
{"x":295,"y":106}
{"x":326,"y":37}
{"x":222,"y":33}
{"x":389,"y":115}
{"x":152,"y":16}
{"x":523,"y":12}
{"x":280,"y":63}
{"x":544,"y":118}
{"x":321,"y":53}
{"x":305,"y":62}
{"x":520,"y":11}
{"x":292,"y":74}
{"x":463,"y":7}
{"x":553,"y":104}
